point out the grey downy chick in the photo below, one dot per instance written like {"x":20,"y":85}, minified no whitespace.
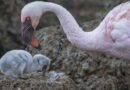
{"x":17,"y":62}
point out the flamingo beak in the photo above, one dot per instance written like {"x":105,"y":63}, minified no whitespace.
{"x":27,"y":34}
{"x":44,"y":69}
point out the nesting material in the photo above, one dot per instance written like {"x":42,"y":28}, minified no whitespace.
{"x":35,"y":81}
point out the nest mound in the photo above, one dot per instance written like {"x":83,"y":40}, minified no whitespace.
{"x":35,"y":81}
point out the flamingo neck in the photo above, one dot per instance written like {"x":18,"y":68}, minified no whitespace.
{"x":69,"y":24}
{"x":33,"y":66}
{"x":79,"y":38}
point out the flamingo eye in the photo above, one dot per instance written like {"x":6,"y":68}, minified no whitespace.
{"x":28,"y":18}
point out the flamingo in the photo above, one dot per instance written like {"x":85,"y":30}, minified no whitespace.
{"x":111,"y":36}
{"x":17,"y":62}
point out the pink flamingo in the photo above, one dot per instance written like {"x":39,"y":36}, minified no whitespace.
{"x":112,"y":36}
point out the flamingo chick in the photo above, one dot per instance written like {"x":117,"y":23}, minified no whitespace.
{"x":17,"y":62}
{"x":112,"y":36}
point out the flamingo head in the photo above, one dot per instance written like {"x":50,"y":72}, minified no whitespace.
{"x":30,"y":16}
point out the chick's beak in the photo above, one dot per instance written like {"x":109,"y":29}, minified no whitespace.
{"x":44,"y":69}
{"x":27,"y":33}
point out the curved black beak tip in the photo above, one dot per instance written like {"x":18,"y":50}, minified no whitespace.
{"x":43,"y":72}
{"x":39,"y":47}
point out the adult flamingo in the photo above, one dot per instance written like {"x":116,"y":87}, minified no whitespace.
{"x":112,"y":36}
